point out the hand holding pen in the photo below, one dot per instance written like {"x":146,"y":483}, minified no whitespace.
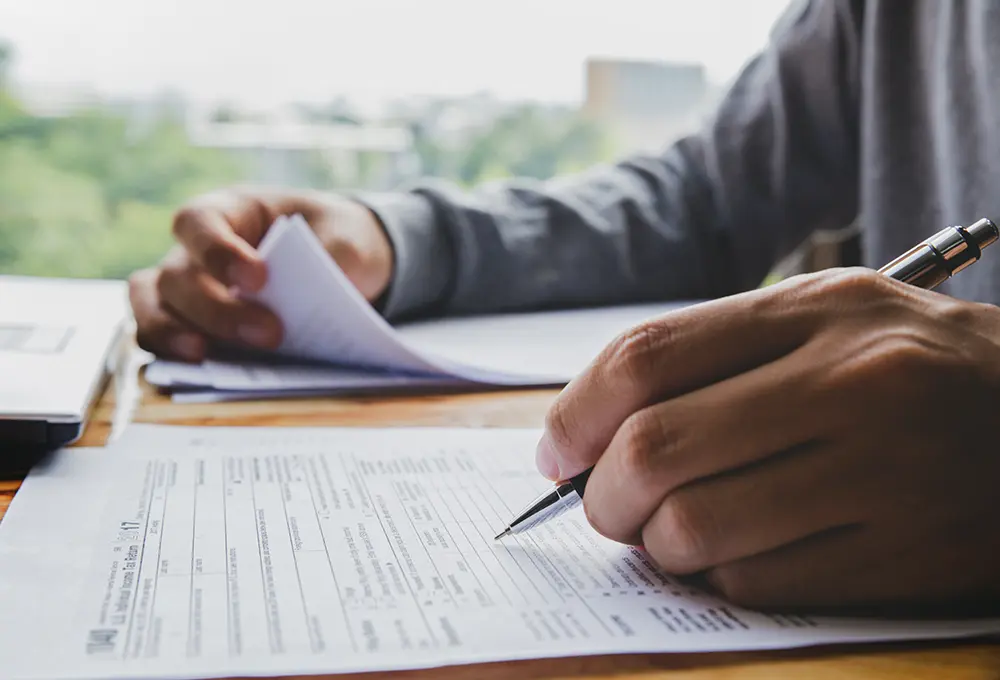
{"x":811,"y":443}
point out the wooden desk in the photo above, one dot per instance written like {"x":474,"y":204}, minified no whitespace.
{"x":951,"y":661}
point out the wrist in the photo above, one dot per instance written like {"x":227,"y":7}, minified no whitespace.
{"x":421,"y":264}
{"x":383,"y":260}
{"x":382,"y":254}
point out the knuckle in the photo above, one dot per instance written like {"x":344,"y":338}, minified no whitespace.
{"x":634,"y":352}
{"x":962,"y":313}
{"x":681,"y":533}
{"x":558,"y":424}
{"x":643,"y":440}
{"x":216,"y":258}
{"x":735,"y":585}
{"x":169,"y":282}
{"x":187,"y":219}
{"x":899,"y":354}
{"x":597,"y":519}
{"x":856,"y":283}
{"x":166,"y":282}
{"x":898,"y":361}
{"x":139,"y":283}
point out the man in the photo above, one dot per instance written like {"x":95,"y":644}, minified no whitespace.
{"x":824,"y":442}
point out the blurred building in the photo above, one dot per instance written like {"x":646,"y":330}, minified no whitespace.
{"x":645,"y":104}
{"x":449,"y":121}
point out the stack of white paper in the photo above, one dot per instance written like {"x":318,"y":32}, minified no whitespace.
{"x":198,"y":552}
{"x":335,"y":342}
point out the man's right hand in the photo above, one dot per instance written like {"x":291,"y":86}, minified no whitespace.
{"x":188,"y":299}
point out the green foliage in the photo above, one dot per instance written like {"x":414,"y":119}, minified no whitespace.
{"x":130,"y":242}
{"x":90,"y":195}
{"x":529,"y":141}
{"x":50,"y":219}
{"x":6,"y":57}
{"x":83,"y":196}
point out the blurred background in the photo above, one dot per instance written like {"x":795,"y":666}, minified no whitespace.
{"x":113,"y":112}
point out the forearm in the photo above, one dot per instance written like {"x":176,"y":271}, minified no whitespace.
{"x":706,"y":218}
{"x":615,"y":234}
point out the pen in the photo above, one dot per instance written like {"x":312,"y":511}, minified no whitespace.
{"x":925,"y":265}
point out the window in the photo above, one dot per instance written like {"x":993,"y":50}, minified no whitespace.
{"x":113,"y":112}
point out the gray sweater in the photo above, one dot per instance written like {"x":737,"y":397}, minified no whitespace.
{"x":885,"y":112}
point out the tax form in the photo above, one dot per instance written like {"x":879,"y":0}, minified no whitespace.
{"x":206,"y":552}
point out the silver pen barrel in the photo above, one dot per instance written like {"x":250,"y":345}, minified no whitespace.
{"x":552,"y":503}
{"x":932,"y":262}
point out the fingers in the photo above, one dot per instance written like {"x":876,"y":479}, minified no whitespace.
{"x":823,"y":571}
{"x":158,"y":331}
{"x":779,"y":501}
{"x":673,"y":354}
{"x":206,"y":304}
{"x":707,"y":432}
{"x":208,"y":231}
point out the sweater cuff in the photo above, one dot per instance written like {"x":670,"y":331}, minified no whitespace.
{"x":422,"y":267}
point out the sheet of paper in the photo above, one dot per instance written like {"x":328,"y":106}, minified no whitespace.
{"x":557,"y":343}
{"x":325,"y":318}
{"x":218,"y":381}
{"x":210,"y":396}
{"x":199,"y":552}
{"x":231,"y":381}
{"x":176,"y":374}
{"x":255,"y":376}
{"x":323,"y":315}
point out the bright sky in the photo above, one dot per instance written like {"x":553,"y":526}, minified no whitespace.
{"x":263,"y":52}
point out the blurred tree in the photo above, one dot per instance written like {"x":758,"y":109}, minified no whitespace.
{"x":6,"y":58}
{"x":434,"y":159}
{"x":51,"y":220}
{"x":92,"y":193}
{"x":10,"y":110}
{"x":529,"y":141}
{"x":138,"y":237}
{"x":339,"y":111}
{"x":318,"y":172}
{"x":85,"y":195}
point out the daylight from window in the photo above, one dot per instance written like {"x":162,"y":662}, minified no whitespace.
{"x":113,"y":112}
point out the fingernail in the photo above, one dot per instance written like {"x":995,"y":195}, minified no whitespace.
{"x":256,"y":334}
{"x":244,"y":276}
{"x":546,"y":459}
{"x":187,"y":346}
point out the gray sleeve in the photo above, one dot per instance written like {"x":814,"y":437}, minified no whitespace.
{"x":708,"y":217}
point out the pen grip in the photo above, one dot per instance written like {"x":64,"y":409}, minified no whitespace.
{"x":580,"y":481}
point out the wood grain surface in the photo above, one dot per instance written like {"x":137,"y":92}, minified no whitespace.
{"x":128,"y":398}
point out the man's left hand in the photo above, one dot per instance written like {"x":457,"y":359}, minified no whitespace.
{"x":829,"y":441}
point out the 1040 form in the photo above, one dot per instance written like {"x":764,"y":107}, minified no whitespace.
{"x":200,"y":552}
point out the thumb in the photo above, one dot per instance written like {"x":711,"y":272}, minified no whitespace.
{"x":573,"y":439}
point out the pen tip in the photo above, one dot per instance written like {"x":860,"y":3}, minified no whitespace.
{"x":502,"y":534}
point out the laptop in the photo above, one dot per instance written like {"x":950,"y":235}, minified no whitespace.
{"x":58,"y":341}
